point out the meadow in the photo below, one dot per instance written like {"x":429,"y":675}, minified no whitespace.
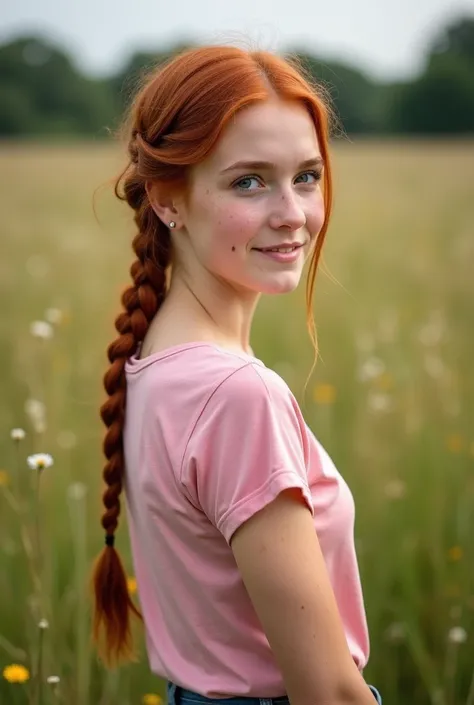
{"x":391,"y":398}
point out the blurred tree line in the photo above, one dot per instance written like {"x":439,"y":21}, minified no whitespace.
{"x":43,"y":94}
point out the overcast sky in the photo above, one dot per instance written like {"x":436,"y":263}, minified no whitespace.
{"x":387,"y":38}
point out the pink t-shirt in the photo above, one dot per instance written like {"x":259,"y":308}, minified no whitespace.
{"x":210,"y":438}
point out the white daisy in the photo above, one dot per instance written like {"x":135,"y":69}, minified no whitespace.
{"x":40,"y":461}
{"x":17,"y":434}
{"x":41,"y":329}
{"x":457,"y":635}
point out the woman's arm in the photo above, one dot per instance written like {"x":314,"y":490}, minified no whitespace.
{"x":280,"y":560}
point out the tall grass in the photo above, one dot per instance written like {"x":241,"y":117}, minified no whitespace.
{"x":391,"y":398}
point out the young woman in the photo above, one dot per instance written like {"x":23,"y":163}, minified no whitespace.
{"x":241,"y":527}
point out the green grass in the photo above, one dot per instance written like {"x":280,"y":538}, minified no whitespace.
{"x":392,"y":399}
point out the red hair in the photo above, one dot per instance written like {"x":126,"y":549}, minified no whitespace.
{"x":174,"y":121}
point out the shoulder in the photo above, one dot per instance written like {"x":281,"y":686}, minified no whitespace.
{"x":250,"y":400}
{"x":250,"y":384}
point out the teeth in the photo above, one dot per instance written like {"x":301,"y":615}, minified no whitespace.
{"x":281,"y":249}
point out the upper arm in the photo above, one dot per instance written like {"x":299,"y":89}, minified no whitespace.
{"x":278,"y":554}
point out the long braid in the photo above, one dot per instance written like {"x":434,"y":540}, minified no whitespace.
{"x":141,"y":301}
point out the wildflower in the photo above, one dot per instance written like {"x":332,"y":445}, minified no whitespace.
{"x":34,"y":408}
{"x":4,"y":479}
{"x":40,"y":461}
{"x":457,"y":635}
{"x":36,"y":411}
{"x":131,"y":585}
{"x":41,"y":329}
{"x":324,"y":394}
{"x":379,"y":402}
{"x":53,"y":680}
{"x":15,"y":673}
{"x":54,"y":316}
{"x":43,"y":624}
{"x":372,"y":368}
{"x":455,"y":553}
{"x":395,"y":489}
{"x":151,"y":699}
{"x":395,"y":632}
{"x":77,"y":491}
{"x":455,"y":443}
{"x":17,"y":434}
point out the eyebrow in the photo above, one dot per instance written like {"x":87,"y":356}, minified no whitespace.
{"x":314,"y":161}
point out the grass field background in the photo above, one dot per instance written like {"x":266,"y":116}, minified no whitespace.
{"x":392,"y":399}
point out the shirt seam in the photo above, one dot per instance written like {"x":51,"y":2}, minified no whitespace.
{"x":251,"y":363}
{"x":279,"y":470}
{"x":147,"y":362}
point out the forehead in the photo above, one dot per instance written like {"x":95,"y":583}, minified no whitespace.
{"x":273,"y":130}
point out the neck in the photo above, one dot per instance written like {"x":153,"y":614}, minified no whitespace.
{"x":212,"y":310}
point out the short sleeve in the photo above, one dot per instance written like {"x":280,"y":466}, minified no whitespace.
{"x":248,"y":445}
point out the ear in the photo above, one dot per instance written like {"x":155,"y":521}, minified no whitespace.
{"x":162,"y":203}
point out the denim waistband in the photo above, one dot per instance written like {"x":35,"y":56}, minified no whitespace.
{"x":181,"y":696}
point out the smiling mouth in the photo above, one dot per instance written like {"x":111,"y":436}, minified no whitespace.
{"x":283,"y":248}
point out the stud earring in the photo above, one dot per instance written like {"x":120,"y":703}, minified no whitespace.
{"x":172,"y":224}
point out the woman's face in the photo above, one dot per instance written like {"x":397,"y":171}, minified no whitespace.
{"x":258,"y":189}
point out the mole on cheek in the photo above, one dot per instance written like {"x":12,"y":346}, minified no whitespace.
{"x":233,"y":248}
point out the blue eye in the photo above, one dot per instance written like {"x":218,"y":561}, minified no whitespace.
{"x":315,"y":174}
{"x":244,"y":184}
{"x":246,"y":179}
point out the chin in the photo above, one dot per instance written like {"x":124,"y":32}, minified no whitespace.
{"x":280,"y":285}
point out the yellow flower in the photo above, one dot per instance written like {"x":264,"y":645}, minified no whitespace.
{"x":131,"y":585}
{"x":16,"y":673}
{"x":324,"y":394}
{"x":455,"y":553}
{"x":151,"y":699}
{"x":455,"y":443}
{"x":4,"y":479}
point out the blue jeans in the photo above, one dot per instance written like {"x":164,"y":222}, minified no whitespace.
{"x":180,"y":696}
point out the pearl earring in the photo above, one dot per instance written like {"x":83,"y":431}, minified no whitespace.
{"x":172,"y":224}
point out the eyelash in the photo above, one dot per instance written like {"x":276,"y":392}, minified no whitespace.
{"x":317,"y":176}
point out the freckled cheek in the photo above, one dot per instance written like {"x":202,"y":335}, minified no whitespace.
{"x":235,"y":226}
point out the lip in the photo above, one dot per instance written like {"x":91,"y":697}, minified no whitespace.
{"x":282,"y":244}
{"x":282,"y":257}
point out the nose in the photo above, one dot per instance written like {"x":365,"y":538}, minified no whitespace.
{"x":287,"y":212}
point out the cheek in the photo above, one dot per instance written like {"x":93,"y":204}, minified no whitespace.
{"x":235,"y":225}
{"x":315,"y":215}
